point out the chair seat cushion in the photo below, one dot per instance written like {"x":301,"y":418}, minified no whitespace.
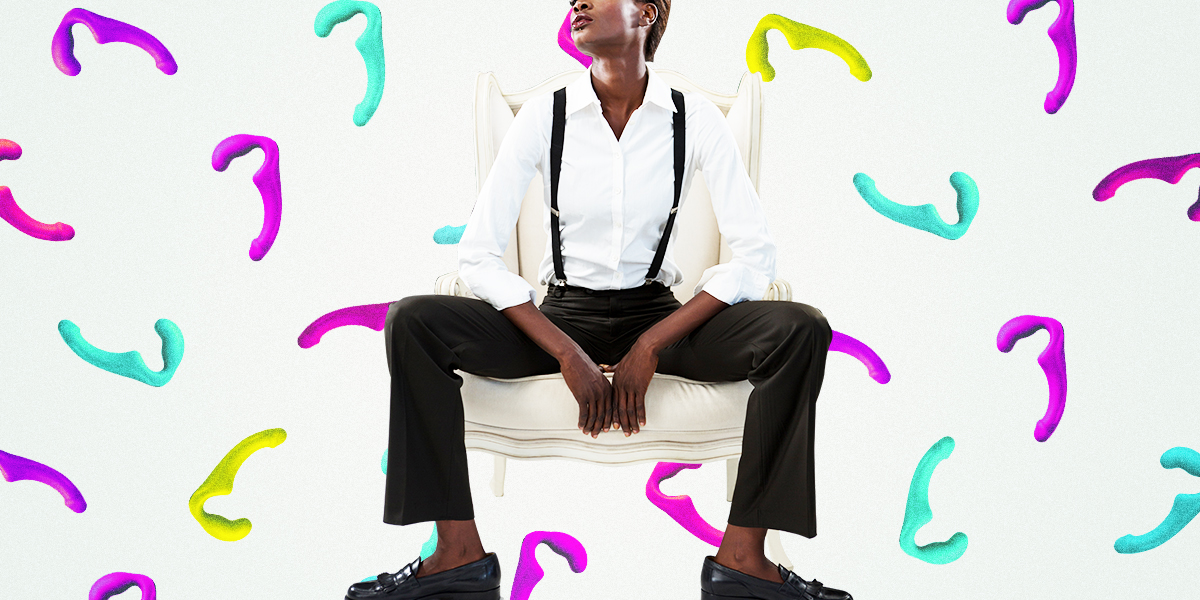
{"x":536,"y":416}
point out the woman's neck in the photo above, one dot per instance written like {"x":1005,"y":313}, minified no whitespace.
{"x":620,"y":83}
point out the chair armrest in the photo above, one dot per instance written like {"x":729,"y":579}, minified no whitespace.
{"x":779,"y":290}
{"x":451,"y":284}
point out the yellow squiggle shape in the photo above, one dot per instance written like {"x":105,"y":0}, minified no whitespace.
{"x":220,"y":483}
{"x":800,"y":36}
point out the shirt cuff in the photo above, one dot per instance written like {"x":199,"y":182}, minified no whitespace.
{"x":502,"y":290}
{"x":732,"y":283}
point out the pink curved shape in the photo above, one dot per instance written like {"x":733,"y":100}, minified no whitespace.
{"x":1062,"y":33}
{"x":15,"y":216}
{"x":366,"y":315}
{"x":11,"y":212}
{"x":17,"y":468}
{"x":1052,"y":359}
{"x":568,"y":44}
{"x":9,"y":150}
{"x":848,"y":345}
{"x":1169,"y":169}
{"x":680,"y":507}
{"x":529,"y":572}
{"x":114,"y":583}
{"x":266,"y":179}
{"x":105,"y":30}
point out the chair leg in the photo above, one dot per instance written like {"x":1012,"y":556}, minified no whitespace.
{"x":731,"y":466}
{"x":775,"y":549}
{"x":498,"y":475}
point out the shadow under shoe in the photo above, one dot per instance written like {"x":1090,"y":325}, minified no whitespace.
{"x":479,"y":580}
{"x":718,"y":582}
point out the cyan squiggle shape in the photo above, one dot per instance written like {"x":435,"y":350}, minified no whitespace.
{"x":369,"y":44}
{"x":925,"y":217}
{"x":529,"y":572}
{"x":917,"y":512}
{"x":129,"y":364}
{"x":449,"y":235}
{"x":800,"y":36}
{"x":1183,"y":510}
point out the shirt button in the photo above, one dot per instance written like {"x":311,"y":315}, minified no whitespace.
{"x":618,"y":190}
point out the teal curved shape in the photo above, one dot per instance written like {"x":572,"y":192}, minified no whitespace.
{"x":925,"y":217}
{"x":369,"y":44}
{"x":917,"y":512}
{"x":129,"y":364}
{"x":1183,"y":509}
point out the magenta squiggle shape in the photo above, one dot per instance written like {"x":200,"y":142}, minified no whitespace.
{"x":105,"y":30}
{"x":114,"y":583}
{"x":17,"y":468}
{"x":529,"y":572}
{"x":1052,"y":359}
{"x":266,"y":179}
{"x":848,"y":345}
{"x":1169,"y":169}
{"x":680,"y":507}
{"x":367,"y":315}
{"x":1062,"y":33}
{"x":568,"y":44}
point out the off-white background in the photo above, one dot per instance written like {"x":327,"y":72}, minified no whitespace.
{"x":122,"y":153}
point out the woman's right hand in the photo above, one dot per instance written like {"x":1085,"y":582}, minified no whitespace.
{"x":592,"y":391}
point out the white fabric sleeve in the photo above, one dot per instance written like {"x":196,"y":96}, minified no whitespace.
{"x":740,"y":217}
{"x":481,"y":249}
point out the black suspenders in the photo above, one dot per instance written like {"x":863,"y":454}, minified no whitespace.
{"x":556,"y":146}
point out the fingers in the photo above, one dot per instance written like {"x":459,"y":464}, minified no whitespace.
{"x":640,"y":408}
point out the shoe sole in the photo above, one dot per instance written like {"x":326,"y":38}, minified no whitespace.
{"x":492,"y":594}
{"x":711,"y":596}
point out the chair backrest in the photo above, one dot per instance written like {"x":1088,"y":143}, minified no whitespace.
{"x":698,"y":244}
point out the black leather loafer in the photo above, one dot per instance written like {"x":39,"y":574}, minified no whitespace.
{"x":479,"y":580}
{"x":718,"y":582}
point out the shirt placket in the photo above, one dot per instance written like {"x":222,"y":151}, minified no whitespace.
{"x":618,"y":212}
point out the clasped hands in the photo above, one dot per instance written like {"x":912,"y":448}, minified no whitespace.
{"x":620,"y":404}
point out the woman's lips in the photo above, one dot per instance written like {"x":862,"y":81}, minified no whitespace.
{"x":580,"y":22}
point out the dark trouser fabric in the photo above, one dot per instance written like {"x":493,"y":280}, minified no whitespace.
{"x":780,"y":347}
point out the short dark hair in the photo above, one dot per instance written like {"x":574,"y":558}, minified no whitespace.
{"x":659,"y":26}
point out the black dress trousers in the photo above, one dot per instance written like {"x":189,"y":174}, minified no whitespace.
{"x":780,"y":347}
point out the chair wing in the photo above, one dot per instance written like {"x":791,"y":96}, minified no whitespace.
{"x":698,"y":244}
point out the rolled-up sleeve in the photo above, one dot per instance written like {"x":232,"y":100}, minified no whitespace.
{"x":481,"y":249}
{"x":740,"y":217}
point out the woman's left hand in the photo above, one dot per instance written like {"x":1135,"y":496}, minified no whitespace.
{"x":630,"y":380}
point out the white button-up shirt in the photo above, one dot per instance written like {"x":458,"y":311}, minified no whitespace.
{"x":614,"y":197}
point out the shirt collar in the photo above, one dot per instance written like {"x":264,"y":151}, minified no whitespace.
{"x":580,"y":92}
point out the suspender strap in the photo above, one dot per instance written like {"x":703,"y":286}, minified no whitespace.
{"x":556,"y":149}
{"x":680,"y":140}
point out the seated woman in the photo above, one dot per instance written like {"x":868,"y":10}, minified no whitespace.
{"x":620,"y":148}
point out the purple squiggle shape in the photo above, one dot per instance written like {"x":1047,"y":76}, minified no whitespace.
{"x":367,"y":315}
{"x":1052,"y":359}
{"x":568,"y":44}
{"x":1169,"y":169}
{"x":105,"y":30}
{"x":266,"y":179}
{"x":848,"y":345}
{"x":17,"y":468}
{"x":529,"y":572}
{"x":680,"y":508}
{"x":1062,"y":33}
{"x":114,"y":583}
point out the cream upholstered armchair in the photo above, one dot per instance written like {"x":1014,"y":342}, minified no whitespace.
{"x":534,"y":417}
